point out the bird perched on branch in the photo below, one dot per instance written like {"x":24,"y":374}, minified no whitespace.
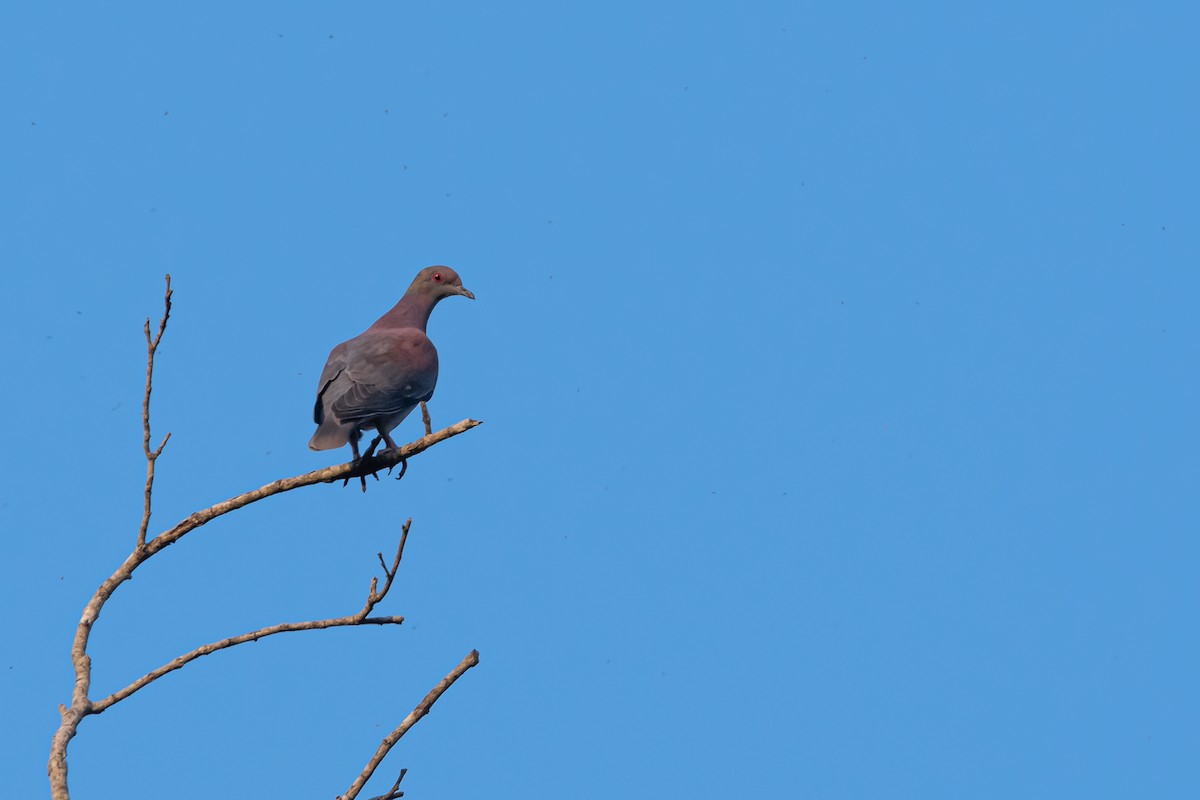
{"x":373,"y":381}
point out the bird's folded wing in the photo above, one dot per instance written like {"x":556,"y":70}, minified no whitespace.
{"x":325,"y":388}
{"x":382,"y":376}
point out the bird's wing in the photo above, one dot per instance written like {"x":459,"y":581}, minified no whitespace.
{"x":384,"y":373}
{"x":334,"y":367}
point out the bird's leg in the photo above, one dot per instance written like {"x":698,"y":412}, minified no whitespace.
{"x":391,"y":445}
{"x":371,"y":450}
{"x":367,"y":456}
{"x":355,"y":435}
{"x":387,"y":438}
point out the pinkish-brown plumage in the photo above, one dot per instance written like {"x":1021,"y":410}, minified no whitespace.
{"x":373,"y":381}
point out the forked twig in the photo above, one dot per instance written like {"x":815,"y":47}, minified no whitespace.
{"x":151,"y":455}
{"x":374,"y":597}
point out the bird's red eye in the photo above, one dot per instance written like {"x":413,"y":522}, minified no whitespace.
{"x":437,"y":276}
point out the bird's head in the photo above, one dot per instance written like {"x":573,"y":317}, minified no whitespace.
{"x":438,"y":282}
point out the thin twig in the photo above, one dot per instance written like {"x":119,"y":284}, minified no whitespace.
{"x":151,"y":455}
{"x":425,"y":418}
{"x":389,"y":741}
{"x":374,"y":597}
{"x":393,"y":793}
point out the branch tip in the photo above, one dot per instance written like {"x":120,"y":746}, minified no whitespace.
{"x":413,"y":718}
{"x":425,"y":418}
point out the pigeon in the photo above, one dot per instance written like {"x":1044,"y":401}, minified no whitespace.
{"x":373,"y":381}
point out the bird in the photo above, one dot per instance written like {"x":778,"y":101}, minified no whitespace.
{"x":373,"y":381}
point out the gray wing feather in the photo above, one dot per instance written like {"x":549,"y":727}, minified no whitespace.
{"x":333,"y":370}
{"x":378,"y":374}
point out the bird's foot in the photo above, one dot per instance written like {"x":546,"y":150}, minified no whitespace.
{"x":363,"y":463}
{"x":362,"y":478}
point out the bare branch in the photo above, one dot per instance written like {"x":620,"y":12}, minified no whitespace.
{"x":326,"y":475}
{"x":360,"y":618}
{"x":425,"y":418}
{"x":151,"y":455}
{"x":80,"y":704}
{"x":423,"y":708}
{"x":253,"y":636}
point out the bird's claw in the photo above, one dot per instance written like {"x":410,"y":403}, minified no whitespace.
{"x":403,"y":468}
{"x":361,"y":463}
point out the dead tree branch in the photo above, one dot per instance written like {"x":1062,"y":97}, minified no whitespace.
{"x":414,"y":716}
{"x":152,"y":455}
{"x":82,"y":706}
{"x":360,"y":618}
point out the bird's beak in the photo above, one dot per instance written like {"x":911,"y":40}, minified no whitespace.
{"x":467,"y":293}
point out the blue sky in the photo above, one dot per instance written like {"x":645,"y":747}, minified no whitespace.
{"x":838,"y":366}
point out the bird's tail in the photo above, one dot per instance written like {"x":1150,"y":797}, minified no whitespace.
{"x":330,"y":435}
